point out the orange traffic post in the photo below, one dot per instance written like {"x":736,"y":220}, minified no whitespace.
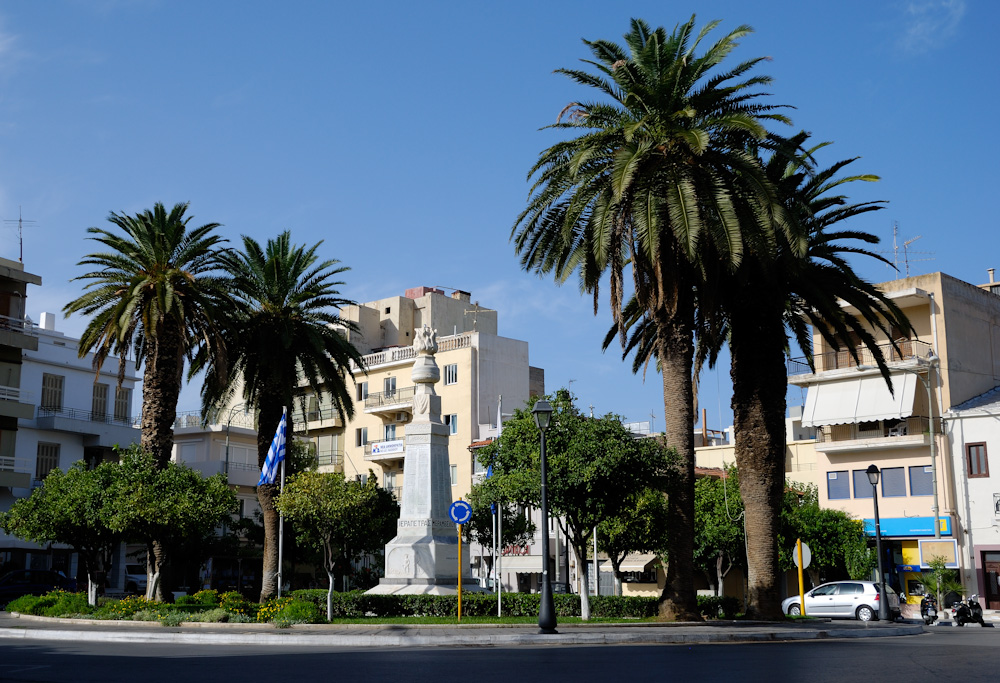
{"x":802,"y":592}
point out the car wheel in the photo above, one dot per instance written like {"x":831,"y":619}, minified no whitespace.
{"x":794,"y":610}
{"x":865,"y":613}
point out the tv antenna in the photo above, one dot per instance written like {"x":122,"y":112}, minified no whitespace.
{"x":905,"y":248}
{"x":20,"y":232}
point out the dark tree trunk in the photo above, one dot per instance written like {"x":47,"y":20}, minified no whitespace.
{"x":678,"y":601}
{"x":270,"y":416}
{"x":757,"y":343}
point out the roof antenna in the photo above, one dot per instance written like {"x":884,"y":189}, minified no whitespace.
{"x":20,"y":232}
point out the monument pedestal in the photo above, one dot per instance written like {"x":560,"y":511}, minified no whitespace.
{"x":423,"y":557}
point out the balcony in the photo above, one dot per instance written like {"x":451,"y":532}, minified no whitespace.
{"x":317,"y":418}
{"x":405,"y":354}
{"x":910,"y":350}
{"x":97,"y":429}
{"x":15,"y":403}
{"x":15,"y":472}
{"x":385,"y":451}
{"x":239,"y":474}
{"x":334,"y":459}
{"x":18,"y":332}
{"x":400,"y":400}
{"x":911,"y":432}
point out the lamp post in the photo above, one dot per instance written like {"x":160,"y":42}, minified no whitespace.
{"x":883,"y":602}
{"x":547,"y":612}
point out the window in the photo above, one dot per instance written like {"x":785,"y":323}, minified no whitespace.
{"x":452,"y":423}
{"x":47,"y":459}
{"x":862,"y":487}
{"x":52,"y":391}
{"x":975,"y":456}
{"x":389,"y":432}
{"x":123,"y":404}
{"x":389,"y":386}
{"x":99,"y":403}
{"x":361,"y":390}
{"x":837,"y":485}
{"x":451,"y":374}
{"x":893,"y":482}
{"x":361,"y":436}
{"x":921,"y":483}
{"x":454,"y":475}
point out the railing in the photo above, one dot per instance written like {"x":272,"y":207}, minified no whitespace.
{"x":883,"y":429}
{"x":192,"y":418}
{"x":315,"y":415}
{"x":368,"y":449}
{"x":9,"y":463}
{"x":403,"y":353}
{"x":833,"y":360}
{"x":330,"y":458}
{"x":391,"y":398}
{"x":15,"y":394}
{"x":397,"y":491}
{"x":86,"y":415}
{"x":18,"y":325}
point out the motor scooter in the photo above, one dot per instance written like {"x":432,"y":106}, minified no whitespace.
{"x":928,"y":609}
{"x":967,"y":612}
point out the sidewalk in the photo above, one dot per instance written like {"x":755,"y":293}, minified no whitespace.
{"x":23,"y":627}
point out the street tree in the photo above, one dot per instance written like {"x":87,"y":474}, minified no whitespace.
{"x":640,"y":527}
{"x":653,"y":180}
{"x":516,"y":529}
{"x":72,"y":508}
{"x":720,"y":543}
{"x":594,"y":467}
{"x":281,"y":330}
{"x":343,"y":518}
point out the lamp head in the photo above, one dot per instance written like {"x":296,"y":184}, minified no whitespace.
{"x":543,"y":414}
{"x":872,"y":473}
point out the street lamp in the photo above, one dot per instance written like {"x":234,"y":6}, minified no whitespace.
{"x":542,"y":413}
{"x":883,"y":602}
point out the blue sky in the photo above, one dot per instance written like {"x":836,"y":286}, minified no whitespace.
{"x":401,"y":133}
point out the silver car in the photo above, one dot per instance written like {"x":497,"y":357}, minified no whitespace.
{"x":843,"y":599}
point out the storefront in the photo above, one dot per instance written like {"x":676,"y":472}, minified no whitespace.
{"x":901,"y":537}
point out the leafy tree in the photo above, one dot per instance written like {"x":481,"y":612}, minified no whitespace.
{"x":656,"y":180}
{"x":281,"y":329}
{"x":170,"y":506}
{"x":515,"y":528}
{"x":594,"y":467}
{"x":342,"y":517}
{"x":71,"y":507}
{"x":640,"y":527}
{"x":153,"y":293}
{"x":836,"y":540}
{"x":719,"y":543}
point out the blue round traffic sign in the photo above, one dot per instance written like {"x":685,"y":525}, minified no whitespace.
{"x":460,"y":512}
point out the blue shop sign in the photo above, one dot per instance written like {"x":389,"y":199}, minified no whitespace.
{"x":909,"y":526}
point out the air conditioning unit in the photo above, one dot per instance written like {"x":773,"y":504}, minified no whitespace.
{"x":402,"y":417}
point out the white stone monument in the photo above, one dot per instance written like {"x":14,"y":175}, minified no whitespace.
{"x":423,"y":557}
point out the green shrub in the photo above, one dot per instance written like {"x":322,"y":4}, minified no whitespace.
{"x":235,"y":603}
{"x":719,"y":607}
{"x":186,"y":600}
{"x":298,"y":612}
{"x":207,"y":597}
{"x":24,"y":604}
{"x":127,"y":608}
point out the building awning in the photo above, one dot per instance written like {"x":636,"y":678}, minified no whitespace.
{"x":634,"y":562}
{"x":865,"y":399}
{"x":521,"y":564}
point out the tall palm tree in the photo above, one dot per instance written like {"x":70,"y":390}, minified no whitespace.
{"x":282,"y":328}
{"x":154,"y":293}
{"x":776,"y":293}
{"x":652,"y":177}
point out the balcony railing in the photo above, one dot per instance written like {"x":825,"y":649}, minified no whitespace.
{"x":17,"y":325}
{"x":404,"y":353}
{"x":386,"y":399}
{"x":15,"y":394}
{"x":315,"y":415}
{"x":368,"y":449}
{"x":907,"y":428}
{"x":834,"y":360}
{"x":330,"y":458}
{"x":86,"y":415}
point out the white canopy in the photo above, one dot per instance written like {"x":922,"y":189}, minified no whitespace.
{"x":865,"y":399}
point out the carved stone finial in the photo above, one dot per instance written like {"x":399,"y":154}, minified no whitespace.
{"x":425,"y":340}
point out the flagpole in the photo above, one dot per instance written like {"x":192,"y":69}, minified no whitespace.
{"x":281,"y":517}
{"x":499,"y":519}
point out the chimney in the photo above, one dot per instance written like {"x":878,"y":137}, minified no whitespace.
{"x":990,"y":271}
{"x":48,"y":322}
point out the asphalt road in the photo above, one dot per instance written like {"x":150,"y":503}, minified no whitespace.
{"x":968,"y":654}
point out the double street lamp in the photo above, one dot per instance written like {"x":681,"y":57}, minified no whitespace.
{"x":542,"y":413}
{"x":883,"y":602}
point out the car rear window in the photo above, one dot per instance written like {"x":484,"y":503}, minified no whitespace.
{"x":851,"y":588}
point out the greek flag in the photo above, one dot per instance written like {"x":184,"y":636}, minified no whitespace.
{"x":275,"y":454}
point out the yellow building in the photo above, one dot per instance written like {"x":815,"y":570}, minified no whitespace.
{"x":477,"y":367}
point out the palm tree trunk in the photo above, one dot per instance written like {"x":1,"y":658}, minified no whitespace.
{"x":678,"y":601}
{"x":270,"y":416}
{"x":161,"y":387}
{"x":757,"y":344}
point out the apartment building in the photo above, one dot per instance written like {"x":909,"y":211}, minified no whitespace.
{"x":73,"y":414}
{"x":952,"y":356}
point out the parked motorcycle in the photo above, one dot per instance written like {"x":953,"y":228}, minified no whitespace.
{"x":967,"y":612}
{"x":928,"y":609}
